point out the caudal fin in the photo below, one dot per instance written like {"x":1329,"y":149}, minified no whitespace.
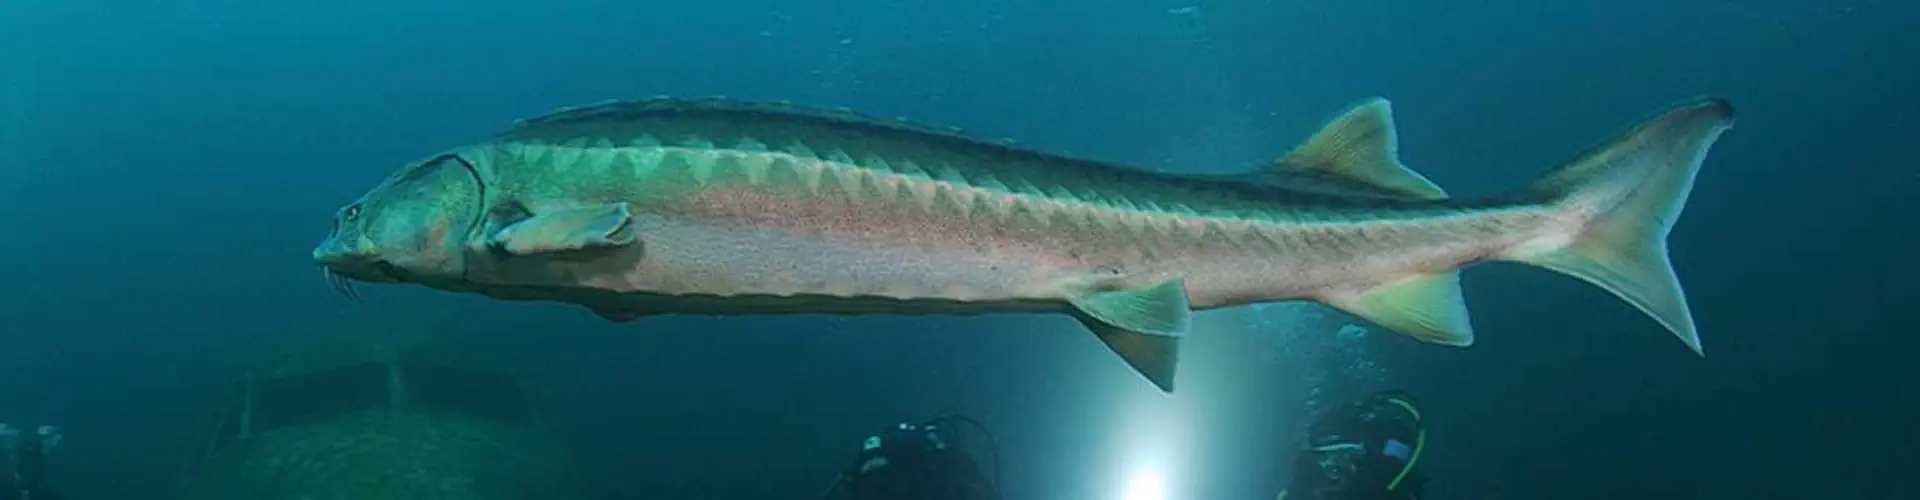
{"x":1629,"y":193}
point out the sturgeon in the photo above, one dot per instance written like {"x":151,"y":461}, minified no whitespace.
{"x":721,"y":207}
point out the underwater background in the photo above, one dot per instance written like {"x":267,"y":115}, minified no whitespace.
{"x":166,"y":167}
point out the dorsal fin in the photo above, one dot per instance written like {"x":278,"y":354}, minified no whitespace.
{"x":1361,"y":146}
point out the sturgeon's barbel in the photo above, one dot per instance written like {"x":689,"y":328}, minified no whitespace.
{"x":722,"y":207}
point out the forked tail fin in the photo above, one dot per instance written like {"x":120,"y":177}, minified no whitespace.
{"x":1628,"y":194}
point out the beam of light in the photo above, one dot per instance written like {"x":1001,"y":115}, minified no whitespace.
{"x":1229,"y":416}
{"x":1156,"y":434}
{"x":1153,"y":441}
{"x":1146,"y":484}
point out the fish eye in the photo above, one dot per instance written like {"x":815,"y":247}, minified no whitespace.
{"x":353,"y":213}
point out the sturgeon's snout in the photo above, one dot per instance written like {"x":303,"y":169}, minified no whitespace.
{"x":333,"y":254}
{"x":358,"y":261}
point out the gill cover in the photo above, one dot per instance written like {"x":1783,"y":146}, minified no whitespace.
{"x":415,"y":221}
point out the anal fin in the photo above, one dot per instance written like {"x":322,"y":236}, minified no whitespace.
{"x":1428,"y":307}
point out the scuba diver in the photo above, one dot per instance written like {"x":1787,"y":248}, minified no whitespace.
{"x":919,"y":462}
{"x":1367,"y":450}
{"x":27,"y":461}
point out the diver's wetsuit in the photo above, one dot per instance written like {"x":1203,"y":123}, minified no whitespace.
{"x":1368,"y":450}
{"x":29,"y":467}
{"x":916,"y":463}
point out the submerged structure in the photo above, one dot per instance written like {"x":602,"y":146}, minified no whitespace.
{"x":379,"y":421}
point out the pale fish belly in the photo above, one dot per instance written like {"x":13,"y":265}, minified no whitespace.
{"x":861,"y":234}
{"x":731,"y":241}
{"x":1269,"y":262}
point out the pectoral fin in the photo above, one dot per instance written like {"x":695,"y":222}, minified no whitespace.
{"x":569,"y":229}
{"x":1143,"y":326}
